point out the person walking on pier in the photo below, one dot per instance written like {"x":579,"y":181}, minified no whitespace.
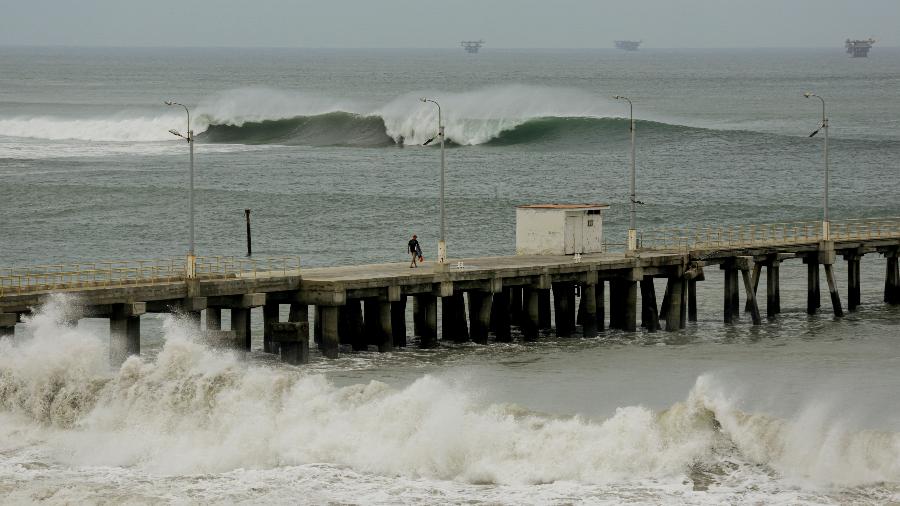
{"x":415,"y":250}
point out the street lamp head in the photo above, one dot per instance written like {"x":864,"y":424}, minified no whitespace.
{"x":169,"y":102}
{"x":423,"y":99}
{"x":616,"y":97}
{"x":176,"y":132}
{"x":809,"y":94}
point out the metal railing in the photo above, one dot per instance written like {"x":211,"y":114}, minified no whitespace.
{"x":75,"y":276}
{"x":769,"y":234}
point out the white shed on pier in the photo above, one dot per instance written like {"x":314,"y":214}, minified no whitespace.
{"x":559,"y":229}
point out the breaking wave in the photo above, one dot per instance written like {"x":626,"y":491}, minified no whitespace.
{"x":193,"y":409}
{"x":500,"y":116}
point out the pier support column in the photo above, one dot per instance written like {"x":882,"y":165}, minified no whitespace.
{"x":565,"y":324}
{"x":418,"y":316}
{"x":731,"y":297}
{"x":544,"y":315}
{"x":832,"y":288}
{"x":649,"y":311}
{"x":515,"y":305}
{"x":213,"y":318}
{"x":385,"y":333}
{"x":352,"y":325}
{"x":692,"y":300}
{"x":427,"y":333}
{"x":500,"y":316}
{"x":480,"y":304}
{"x":813,"y":298}
{"x":125,"y":331}
{"x":629,"y":309}
{"x":666,"y":302}
{"x":853,"y":288}
{"x":589,"y":310}
{"x":270,"y":316}
{"x":398,"y":322}
{"x":453,"y":318}
{"x":292,"y":340}
{"x":600,"y":296}
{"x":616,"y":317}
{"x":892,"y":278}
{"x":8,"y":324}
{"x":317,"y":325}
{"x":299,"y":313}
{"x":754,"y":282}
{"x":674,"y":313}
{"x":773,"y":289}
{"x":240,"y":324}
{"x":751,"y":298}
{"x":531,"y":316}
{"x":330,"y":336}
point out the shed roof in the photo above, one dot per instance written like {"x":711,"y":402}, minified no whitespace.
{"x":565,"y":206}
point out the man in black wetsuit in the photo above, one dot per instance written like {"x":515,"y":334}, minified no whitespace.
{"x":414,"y":251}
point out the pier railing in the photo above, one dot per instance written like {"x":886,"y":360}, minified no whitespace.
{"x":75,"y":276}
{"x":769,"y":234}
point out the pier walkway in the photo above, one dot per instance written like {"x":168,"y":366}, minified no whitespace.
{"x":480,"y":298}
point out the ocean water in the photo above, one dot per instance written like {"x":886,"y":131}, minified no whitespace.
{"x":325,"y":147}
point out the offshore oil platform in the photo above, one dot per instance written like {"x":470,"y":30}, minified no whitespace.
{"x":628,"y":45}
{"x":859,"y":48}
{"x":471,"y":46}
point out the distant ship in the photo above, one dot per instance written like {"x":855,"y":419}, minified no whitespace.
{"x":628,"y":45}
{"x":471,"y":46}
{"x":859,"y":48}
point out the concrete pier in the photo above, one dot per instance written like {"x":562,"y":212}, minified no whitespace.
{"x":501,"y":292}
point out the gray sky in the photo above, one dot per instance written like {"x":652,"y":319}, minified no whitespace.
{"x":429,"y":23}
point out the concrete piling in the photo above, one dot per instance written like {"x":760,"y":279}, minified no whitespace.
{"x":515,"y":305}
{"x":853,"y":285}
{"x":589,"y":310}
{"x":892,"y":278}
{"x":8,"y":324}
{"x":330,"y":337}
{"x":317,"y":326}
{"x":544,"y":313}
{"x":398,"y":322}
{"x":813,"y":298}
{"x":427,"y":309}
{"x":125,"y":331}
{"x":692,"y":300}
{"x":240,"y":324}
{"x":731,"y":301}
{"x":564,"y":325}
{"x":353,"y":330}
{"x":629,"y":294}
{"x":754,"y":282}
{"x":773,"y":289}
{"x":616,"y":313}
{"x":500,"y":317}
{"x":751,"y":298}
{"x":600,"y":302}
{"x":531,"y":316}
{"x":384,"y":330}
{"x":832,"y":289}
{"x":270,"y":316}
{"x":674,"y":314}
{"x":480,"y":304}
{"x":298,"y":313}
{"x":649,"y":311}
{"x":292,"y":340}
{"x":213,"y":318}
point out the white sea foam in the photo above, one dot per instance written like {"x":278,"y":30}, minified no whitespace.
{"x":194,"y":410}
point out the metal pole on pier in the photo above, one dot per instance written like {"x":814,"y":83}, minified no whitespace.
{"x":190,"y":270}
{"x":826,"y":232}
{"x":442,"y":244}
{"x":632,"y":228}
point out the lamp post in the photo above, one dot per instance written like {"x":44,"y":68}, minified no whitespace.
{"x":632,"y":229}
{"x":442,"y":244}
{"x":826,"y":226}
{"x":190,"y":270}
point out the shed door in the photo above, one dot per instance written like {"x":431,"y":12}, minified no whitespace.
{"x":573,"y":234}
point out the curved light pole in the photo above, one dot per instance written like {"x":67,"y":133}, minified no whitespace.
{"x":442,"y":245}
{"x":190,"y":270}
{"x":826,"y":226}
{"x":632,"y":230}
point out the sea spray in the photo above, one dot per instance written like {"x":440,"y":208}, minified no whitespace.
{"x":197,"y":410}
